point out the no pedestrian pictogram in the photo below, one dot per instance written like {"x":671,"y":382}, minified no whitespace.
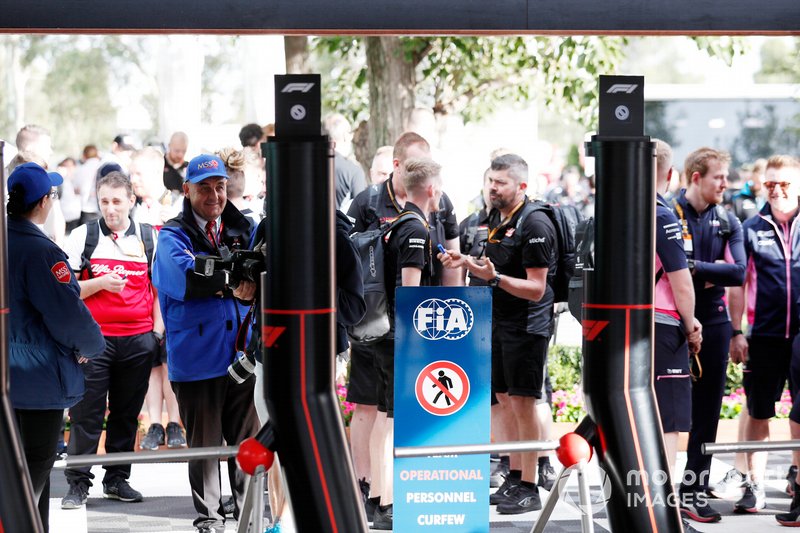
{"x":442,"y":388}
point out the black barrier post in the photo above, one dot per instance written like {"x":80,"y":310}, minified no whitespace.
{"x":618,"y":316}
{"x":18,"y":511}
{"x":298,"y":316}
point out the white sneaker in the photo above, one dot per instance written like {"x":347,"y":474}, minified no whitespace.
{"x":730,"y":487}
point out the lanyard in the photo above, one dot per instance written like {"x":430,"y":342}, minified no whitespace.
{"x":391,"y":195}
{"x":688,"y":245}
{"x":504,"y":223}
{"x":115,"y":237}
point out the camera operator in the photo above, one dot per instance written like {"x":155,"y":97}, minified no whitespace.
{"x":202,"y":316}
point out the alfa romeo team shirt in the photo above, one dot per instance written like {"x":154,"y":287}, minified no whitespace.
{"x":126,"y":313}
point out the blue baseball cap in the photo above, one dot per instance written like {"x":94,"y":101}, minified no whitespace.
{"x":107,"y":168}
{"x":205,"y":166}
{"x":34,"y":180}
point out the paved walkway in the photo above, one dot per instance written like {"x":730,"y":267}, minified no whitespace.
{"x":168,"y":507}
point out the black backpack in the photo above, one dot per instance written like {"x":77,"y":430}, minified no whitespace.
{"x":566,"y":219}
{"x":371,"y":247}
{"x":93,"y":236}
{"x":584,"y":260}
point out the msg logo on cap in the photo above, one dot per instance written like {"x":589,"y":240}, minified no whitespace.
{"x":211,"y":163}
{"x":436,"y":319}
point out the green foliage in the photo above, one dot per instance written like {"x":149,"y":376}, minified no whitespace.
{"x":725,"y":48}
{"x":471,"y":76}
{"x":780,"y":62}
{"x":733,"y":378}
{"x":564,"y":366}
{"x":79,"y":76}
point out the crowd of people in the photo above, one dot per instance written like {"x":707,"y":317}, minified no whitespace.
{"x":124,"y":227}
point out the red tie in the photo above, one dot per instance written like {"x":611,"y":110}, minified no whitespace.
{"x":211,"y":231}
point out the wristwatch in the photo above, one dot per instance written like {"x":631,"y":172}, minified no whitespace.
{"x":737,"y":332}
{"x":495,"y":281}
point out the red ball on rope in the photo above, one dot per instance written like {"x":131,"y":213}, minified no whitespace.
{"x":572,"y":449}
{"x":253,"y":454}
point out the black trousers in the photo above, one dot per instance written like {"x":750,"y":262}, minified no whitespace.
{"x":39,"y":430}
{"x":213,"y":411}
{"x":121,"y":375}
{"x":706,"y":403}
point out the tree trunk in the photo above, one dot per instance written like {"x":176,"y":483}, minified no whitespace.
{"x":179,"y":78}
{"x":391,"y":93}
{"x":296,"y":52}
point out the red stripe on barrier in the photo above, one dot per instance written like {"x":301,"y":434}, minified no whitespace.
{"x":299,"y":311}
{"x":632,"y":419}
{"x":4,"y":311}
{"x":313,"y":436}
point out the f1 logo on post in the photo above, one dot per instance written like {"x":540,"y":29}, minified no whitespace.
{"x":593,"y":328}
{"x":297,"y":87}
{"x":622,"y":88}
{"x":270,"y":334}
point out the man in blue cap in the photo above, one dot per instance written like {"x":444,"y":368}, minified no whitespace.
{"x":202,"y":316}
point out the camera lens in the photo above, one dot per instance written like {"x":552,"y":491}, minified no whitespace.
{"x":242,"y":368}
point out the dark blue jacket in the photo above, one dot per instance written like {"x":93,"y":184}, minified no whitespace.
{"x":201,"y":325}
{"x":49,"y":325}
{"x":708,"y":248}
{"x":773,"y":274}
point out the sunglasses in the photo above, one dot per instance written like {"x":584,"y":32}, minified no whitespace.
{"x":53,"y":193}
{"x":770,"y":185}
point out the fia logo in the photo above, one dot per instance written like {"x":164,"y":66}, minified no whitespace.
{"x":449,"y":319}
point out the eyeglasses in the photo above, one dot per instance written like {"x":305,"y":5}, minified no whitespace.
{"x":770,"y":185}
{"x":53,"y":194}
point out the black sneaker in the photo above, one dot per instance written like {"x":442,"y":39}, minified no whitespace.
{"x":119,"y":489}
{"x":547,"y":476}
{"x":76,"y":496}
{"x":154,"y":437}
{"x":229,"y":506}
{"x":369,"y":505}
{"x":521,"y":500}
{"x":790,"y":477}
{"x":695,"y":506}
{"x":383,"y":518}
{"x":503,"y":492}
{"x":175,"y":438}
{"x":753,"y":500}
{"x":790,"y":519}
{"x":499,"y":473}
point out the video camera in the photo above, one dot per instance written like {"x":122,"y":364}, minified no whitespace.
{"x":238,"y":265}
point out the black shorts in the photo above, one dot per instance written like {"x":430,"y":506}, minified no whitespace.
{"x":160,"y":356}
{"x":362,"y":386}
{"x":384,"y":370}
{"x":518,"y":361}
{"x":547,"y":391}
{"x":794,"y":380}
{"x":673,"y":383}
{"x":547,"y":387}
{"x":765,"y":374}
